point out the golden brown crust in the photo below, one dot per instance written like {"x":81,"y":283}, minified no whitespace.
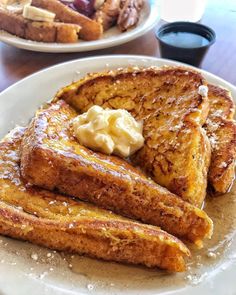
{"x":221,"y":130}
{"x":221,"y":102}
{"x":67,"y":33}
{"x":90,"y":29}
{"x":38,"y":31}
{"x":53,"y":159}
{"x":168,"y":102}
{"x":61,"y":223}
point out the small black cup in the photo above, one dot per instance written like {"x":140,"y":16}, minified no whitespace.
{"x":187,"y":54}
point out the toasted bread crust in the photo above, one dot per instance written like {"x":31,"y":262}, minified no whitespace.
{"x":38,"y":31}
{"x":59,"y":222}
{"x":90,"y":29}
{"x":221,"y":102}
{"x":168,"y":102}
{"x":53,"y":159}
{"x":221,"y":129}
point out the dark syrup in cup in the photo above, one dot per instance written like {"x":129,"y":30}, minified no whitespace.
{"x":185,"y":41}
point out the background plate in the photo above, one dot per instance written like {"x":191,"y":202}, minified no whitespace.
{"x":63,"y":274}
{"x":112,"y":37}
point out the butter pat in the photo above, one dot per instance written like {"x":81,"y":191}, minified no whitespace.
{"x":109,"y":131}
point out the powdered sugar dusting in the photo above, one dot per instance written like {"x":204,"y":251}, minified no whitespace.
{"x":203,"y":90}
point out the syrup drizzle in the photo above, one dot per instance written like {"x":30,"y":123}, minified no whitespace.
{"x":111,"y":276}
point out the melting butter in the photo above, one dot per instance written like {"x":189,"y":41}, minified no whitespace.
{"x":109,"y":131}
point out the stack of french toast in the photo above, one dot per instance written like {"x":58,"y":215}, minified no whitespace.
{"x":57,"y":193}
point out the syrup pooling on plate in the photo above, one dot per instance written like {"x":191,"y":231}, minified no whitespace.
{"x":98,"y":276}
{"x":203,"y":261}
{"x":221,"y":209}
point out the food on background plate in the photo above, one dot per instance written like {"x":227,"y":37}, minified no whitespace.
{"x":129,"y":14}
{"x":172,"y":102}
{"x":90,"y":29}
{"x":90,"y":18}
{"x":108,"y":14}
{"x":176,"y":152}
{"x":85,"y":7}
{"x":38,"y":31}
{"x":15,"y":6}
{"x":61,"y":223}
{"x":38,"y":14}
{"x":53,"y":159}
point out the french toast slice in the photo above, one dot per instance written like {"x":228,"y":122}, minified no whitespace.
{"x":176,"y":153}
{"x":38,"y":31}
{"x":221,"y":130}
{"x":61,"y":223}
{"x":90,"y":29}
{"x":53,"y":159}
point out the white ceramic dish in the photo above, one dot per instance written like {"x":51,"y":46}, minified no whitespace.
{"x":112,"y":37}
{"x":20,"y":274}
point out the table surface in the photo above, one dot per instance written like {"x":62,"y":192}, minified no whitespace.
{"x":16,"y":64}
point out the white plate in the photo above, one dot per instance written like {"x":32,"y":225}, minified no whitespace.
{"x":20,"y":274}
{"x":112,"y":37}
